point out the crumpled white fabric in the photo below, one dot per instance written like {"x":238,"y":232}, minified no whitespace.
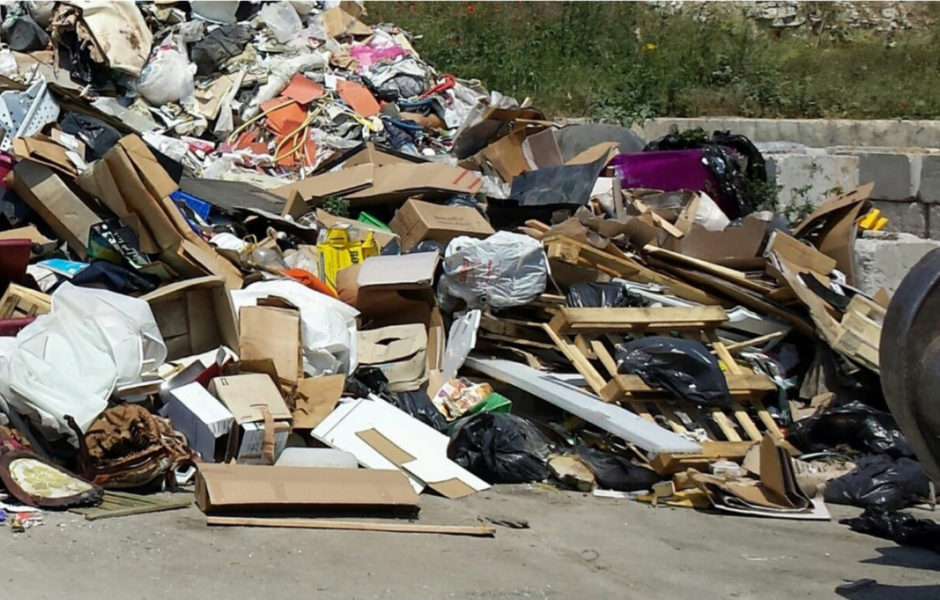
{"x":328,"y":325}
{"x":69,"y":361}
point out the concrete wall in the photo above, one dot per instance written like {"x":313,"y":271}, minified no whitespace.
{"x":818,"y":133}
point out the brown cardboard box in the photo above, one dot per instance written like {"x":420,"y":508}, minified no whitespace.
{"x":416,"y":221}
{"x":44,"y":192}
{"x":221,"y":487}
{"x":399,"y":351}
{"x":144,"y":186}
{"x":272,"y":332}
{"x":316,"y":398}
{"x":371,"y":185}
{"x":194,"y":316}
{"x":262,"y":419}
{"x":396,"y":290}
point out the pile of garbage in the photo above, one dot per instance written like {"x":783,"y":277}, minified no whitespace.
{"x":265,"y":252}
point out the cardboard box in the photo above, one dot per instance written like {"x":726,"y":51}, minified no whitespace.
{"x":64,"y":212}
{"x":416,"y":221}
{"x":267,"y":489}
{"x":396,"y":290}
{"x":262,"y":417}
{"x":201,"y":418}
{"x":382,"y":236}
{"x":399,"y":351}
{"x":371,"y":185}
{"x":316,"y":398}
{"x":194,"y":316}
{"x":145,"y":187}
{"x":272,"y":332}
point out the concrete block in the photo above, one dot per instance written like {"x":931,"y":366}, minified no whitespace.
{"x":933,"y":221}
{"x":904,"y":217}
{"x":883,"y":259}
{"x":810,"y":177}
{"x":929,"y":188}
{"x":896,"y":174}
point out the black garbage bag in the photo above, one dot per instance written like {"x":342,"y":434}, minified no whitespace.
{"x":881,"y":482}
{"x":469,"y":201}
{"x":220,"y":45}
{"x":98,"y":136}
{"x":419,"y":405}
{"x":733,"y":160}
{"x":684,"y":367}
{"x":854,"y":424}
{"x":586,"y":294}
{"x":500,"y":448}
{"x":903,"y":528}
{"x":615,"y":472}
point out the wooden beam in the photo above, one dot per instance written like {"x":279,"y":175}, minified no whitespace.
{"x":301,"y":523}
{"x":577,"y":253}
{"x":664,"y":318}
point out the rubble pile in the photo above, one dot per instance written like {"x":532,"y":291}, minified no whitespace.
{"x":266,"y":253}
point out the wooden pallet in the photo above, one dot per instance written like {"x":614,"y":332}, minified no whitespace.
{"x":618,"y":264}
{"x":19,"y":301}
{"x":584,"y":335}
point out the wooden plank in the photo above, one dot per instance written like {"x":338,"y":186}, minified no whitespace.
{"x":744,"y":385}
{"x":606,"y":320}
{"x":725,"y":273}
{"x":769,"y":424}
{"x":724,"y":424}
{"x":575,"y":252}
{"x":742,"y":296}
{"x":514,"y":340}
{"x":670,"y":463}
{"x":581,"y":343}
{"x":604,"y":356}
{"x":867,"y":308}
{"x":744,"y":420}
{"x":737,"y":346}
{"x":594,"y":379}
{"x":302,"y":523}
{"x":803,"y":255}
{"x":123,"y":504}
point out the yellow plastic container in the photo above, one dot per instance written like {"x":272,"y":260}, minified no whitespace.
{"x":343,"y":247}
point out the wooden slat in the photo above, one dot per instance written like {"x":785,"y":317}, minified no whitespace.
{"x":704,"y":266}
{"x":769,"y":424}
{"x":724,"y":424}
{"x":301,"y":523}
{"x":575,"y":252}
{"x":606,"y":320}
{"x":594,"y":379}
{"x":123,"y":504}
{"x":604,"y":356}
{"x":742,"y":296}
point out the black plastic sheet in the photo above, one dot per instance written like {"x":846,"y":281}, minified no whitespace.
{"x":854,"y":424}
{"x":615,"y":472}
{"x":684,"y":367}
{"x":903,"y":528}
{"x":500,"y":448}
{"x":880,"y":482}
{"x":419,"y":405}
{"x":601,"y":295}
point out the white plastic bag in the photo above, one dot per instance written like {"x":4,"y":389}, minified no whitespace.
{"x":282,"y":20}
{"x":506,"y":269}
{"x":328,"y":326}
{"x":69,"y":361}
{"x":167,"y":77}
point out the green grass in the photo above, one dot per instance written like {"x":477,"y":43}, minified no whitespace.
{"x":621,"y":61}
